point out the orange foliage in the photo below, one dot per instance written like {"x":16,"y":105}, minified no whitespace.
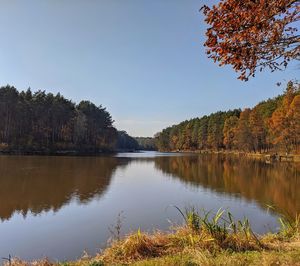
{"x":285,"y":121}
{"x":253,"y":34}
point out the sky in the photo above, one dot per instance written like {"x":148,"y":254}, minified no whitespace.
{"x":143,"y":60}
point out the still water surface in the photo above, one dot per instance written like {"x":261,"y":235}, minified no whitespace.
{"x":57,"y":207}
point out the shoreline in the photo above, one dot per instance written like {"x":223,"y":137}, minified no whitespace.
{"x":65,"y":153}
{"x":268,"y":157}
{"x":217,"y":240}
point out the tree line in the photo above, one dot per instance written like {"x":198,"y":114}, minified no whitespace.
{"x":272,"y":125}
{"x":128,"y":143}
{"x":146,"y":143}
{"x":44,"y":122}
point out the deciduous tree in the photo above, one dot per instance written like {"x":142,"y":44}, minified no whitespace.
{"x":253,"y":34}
{"x":229,"y":131}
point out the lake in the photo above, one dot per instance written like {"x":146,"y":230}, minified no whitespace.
{"x":58,"y":207}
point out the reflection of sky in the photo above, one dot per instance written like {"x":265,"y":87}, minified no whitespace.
{"x":141,"y":191}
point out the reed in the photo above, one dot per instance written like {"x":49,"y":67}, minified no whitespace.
{"x":205,"y":238}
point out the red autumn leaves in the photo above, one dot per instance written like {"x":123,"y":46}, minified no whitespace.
{"x":250,"y":35}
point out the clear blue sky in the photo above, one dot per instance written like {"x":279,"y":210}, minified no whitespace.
{"x":142,"y":59}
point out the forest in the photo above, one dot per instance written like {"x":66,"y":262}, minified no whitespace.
{"x":272,"y":125}
{"x":41,"y":122}
{"x":146,"y":143}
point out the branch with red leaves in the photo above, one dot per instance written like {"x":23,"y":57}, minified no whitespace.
{"x":251,"y":35}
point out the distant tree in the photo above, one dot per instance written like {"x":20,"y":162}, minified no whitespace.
{"x":294,"y":117}
{"x":182,"y":136}
{"x":195,"y":132}
{"x":203,"y":132}
{"x":243,"y":137}
{"x":174,"y":132}
{"x":271,"y":124}
{"x":253,"y":34}
{"x":163,"y":140}
{"x":187,"y":133}
{"x":229,"y":131}
{"x":8,"y":103}
{"x":98,"y":126}
{"x":215,"y":130}
{"x":46,"y":122}
{"x":258,"y":131}
{"x":280,"y":129}
{"x":146,"y":143}
{"x":80,"y":128}
{"x":126,"y":142}
{"x":280,"y":122}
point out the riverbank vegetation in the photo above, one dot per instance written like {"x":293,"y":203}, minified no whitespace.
{"x":126,"y":142}
{"x":204,"y":239}
{"x":146,"y":143}
{"x":270,"y":126}
{"x":41,"y":122}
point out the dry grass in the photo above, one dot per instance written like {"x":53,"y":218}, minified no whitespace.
{"x":208,"y":236}
{"x":17,"y":262}
{"x":140,"y":246}
{"x":203,"y":240}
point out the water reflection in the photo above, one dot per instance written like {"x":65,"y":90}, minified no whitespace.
{"x":39,"y":184}
{"x":78,"y":198}
{"x":268,"y":184}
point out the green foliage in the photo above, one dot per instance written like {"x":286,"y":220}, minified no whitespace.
{"x":146,"y":143}
{"x":64,"y":264}
{"x":97,"y":263}
{"x":290,"y":228}
{"x":126,"y":142}
{"x":43,"y":122}
{"x":219,"y":225}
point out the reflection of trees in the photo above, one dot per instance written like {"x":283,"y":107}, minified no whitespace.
{"x":39,"y":184}
{"x":275,"y":184}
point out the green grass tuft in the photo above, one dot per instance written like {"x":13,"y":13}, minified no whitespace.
{"x":204,"y":239}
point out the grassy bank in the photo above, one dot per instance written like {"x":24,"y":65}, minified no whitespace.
{"x":204,"y":239}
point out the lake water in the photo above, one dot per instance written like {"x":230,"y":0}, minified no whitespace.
{"x":57,"y":207}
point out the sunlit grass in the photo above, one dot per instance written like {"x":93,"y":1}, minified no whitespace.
{"x":205,"y":238}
